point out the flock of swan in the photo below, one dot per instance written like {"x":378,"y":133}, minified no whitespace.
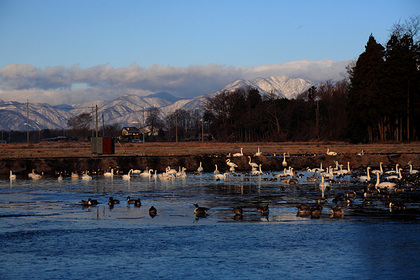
{"x":373,"y":183}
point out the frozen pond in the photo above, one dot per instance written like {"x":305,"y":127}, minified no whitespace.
{"x":45,"y":232}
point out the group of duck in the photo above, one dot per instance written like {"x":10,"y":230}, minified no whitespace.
{"x":111,"y":202}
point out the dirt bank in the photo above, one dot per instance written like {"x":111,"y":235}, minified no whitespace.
{"x":76,"y":156}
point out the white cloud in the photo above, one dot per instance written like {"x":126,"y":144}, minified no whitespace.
{"x":59,"y":84}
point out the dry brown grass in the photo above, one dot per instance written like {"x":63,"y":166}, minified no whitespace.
{"x":83,"y":149}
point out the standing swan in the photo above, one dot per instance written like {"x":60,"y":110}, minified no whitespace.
{"x":253,"y":164}
{"x":238,"y":154}
{"x":127,"y":176}
{"x":284,"y":160}
{"x":200,"y":168}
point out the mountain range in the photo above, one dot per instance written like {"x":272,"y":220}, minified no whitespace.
{"x":127,"y":110}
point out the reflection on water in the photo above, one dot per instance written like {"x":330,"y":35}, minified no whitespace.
{"x":45,"y":228}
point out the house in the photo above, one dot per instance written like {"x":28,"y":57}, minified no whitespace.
{"x":129,"y":133}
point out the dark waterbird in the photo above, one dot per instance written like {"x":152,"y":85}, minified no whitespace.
{"x":152,"y":211}
{"x":200,"y":212}
{"x":136,"y":202}
{"x":89,"y":202}
{"x":113,"y":201}
{"x":337,"y":212}
{"x":264,"y":210}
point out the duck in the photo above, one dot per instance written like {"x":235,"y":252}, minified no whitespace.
{"x":313,"y":178}
{"x":152,"y":211}
{"x":316,"y":211}
{"x":397,"y":206}
{"x":133,"y":201}
{"x":303,"y":210}
{"x":200,"y":168}
{"x":200,"y":211}
{"x":12,"y":176}
{"x":238,"y":211}
{"x":264,"y":210}
{"x":113,"y":201}
{"x":89,"y":202}
{"x":337,"y":212}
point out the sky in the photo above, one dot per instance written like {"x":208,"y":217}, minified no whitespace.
{"x":71,"y":51}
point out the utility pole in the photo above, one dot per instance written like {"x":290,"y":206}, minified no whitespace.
{"x":93,"y":122}
{"x":176,"y":127}
{"x":96,"y":120}
{"x":202,"y":130}
{"x":27,"y":122}
{"x":103,"y":125}
{"x":143,"y":125}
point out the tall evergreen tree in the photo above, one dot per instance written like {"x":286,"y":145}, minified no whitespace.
{"x":364,"y":93}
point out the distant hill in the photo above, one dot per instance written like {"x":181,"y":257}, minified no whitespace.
{"x":128,"y":110}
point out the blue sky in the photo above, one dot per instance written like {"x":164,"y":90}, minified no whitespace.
{"x":181,"y":34}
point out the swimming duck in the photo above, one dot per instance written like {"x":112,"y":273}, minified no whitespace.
{"x":113,"y":201}
{"x":397,"y":206}
{"x":316,"y":211}
{"x":238,"y":211}
{"x":303,"y":210}
{"x":89,"y":202}
{"x":264,"y":210}
{"x":337,"y":212}
{"x":200,"y":211}
{"x":152,"y":211}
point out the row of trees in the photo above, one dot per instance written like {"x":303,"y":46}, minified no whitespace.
{"x":379,"y":101}
{"x":384,"y":94}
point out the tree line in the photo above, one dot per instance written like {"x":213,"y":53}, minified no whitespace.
{"x":378,"y":101}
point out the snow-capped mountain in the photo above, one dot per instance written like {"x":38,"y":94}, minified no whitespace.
{"x":127,"y":110}
{"x":282,"y":86}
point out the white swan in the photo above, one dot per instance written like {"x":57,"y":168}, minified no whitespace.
{"x":34,"y":175}
{"x":361,"y":153}
{"x":138,"y":171}
{"x":284,"y":163}
{"x":258,"y":153}
{"x":216,"y":171}
{"x":380,"y":171}
{"x":146,"y":173}
{"x":284,"y":174}
{"x":74,"y":175}
{"x":252,"y":164}
{"x":231,"y":164}
{"x":257,"y":172}
{"x":85,"y":176}
{"x":12,"y":176}
{"x":383,"y":185}
{"x":109,"y":174}
{"x":365,"y":178}
{"x":238,"y":154}
{"x":330,"y":153}
{"x":166,"y":177}
{"x":323,"y":185}
{"x":398,"y":176}
{"x":181,"y":172}
{"x":220,"y":176}
{"x":200,"y":168}
{"x":170,"y":170}
{"x":413,"y":171}
{"x":393,"y":171}
{"x":127,"y":176}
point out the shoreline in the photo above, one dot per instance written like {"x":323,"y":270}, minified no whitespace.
{"x":50,"y":158}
